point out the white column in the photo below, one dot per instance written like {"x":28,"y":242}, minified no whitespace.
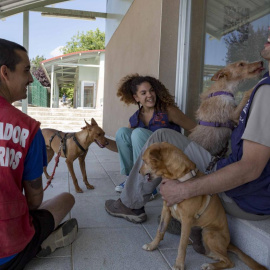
{"x":52,"y":86}
{"x":26,"y":46}
{"x":100,"y":88}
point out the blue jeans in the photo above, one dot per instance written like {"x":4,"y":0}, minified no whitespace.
{"x":130,"y":143}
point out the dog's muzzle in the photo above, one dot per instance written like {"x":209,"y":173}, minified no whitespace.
{"x":101,"y":145}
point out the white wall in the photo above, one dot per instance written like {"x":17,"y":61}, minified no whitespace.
{"x":116,"y":10}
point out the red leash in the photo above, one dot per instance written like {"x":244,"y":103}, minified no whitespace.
{"x":56,"y":164}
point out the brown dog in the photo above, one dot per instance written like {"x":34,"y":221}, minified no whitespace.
{"x":218,"y":113}
{"x":166,"y":160}
{"x":73,"y":145}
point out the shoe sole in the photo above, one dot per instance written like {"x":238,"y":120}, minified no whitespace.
{"x":66,"y":236}
{"x":134,"y":219}
{"x":118,"y":189}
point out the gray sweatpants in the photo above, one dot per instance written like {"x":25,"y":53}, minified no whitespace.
{"x":138,"y":190}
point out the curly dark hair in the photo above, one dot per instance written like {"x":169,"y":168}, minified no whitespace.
{"x":128,"y":87}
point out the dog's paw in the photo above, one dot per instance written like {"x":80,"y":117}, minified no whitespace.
{"x":90,"y":186}
{"x":179,"y":267}
{"x":148,"y":247}
{"x":207,"y":266}
{"x":79,"y":190}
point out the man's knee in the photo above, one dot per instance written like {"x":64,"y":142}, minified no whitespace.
{"x":162,"y":134}
{"x":67,"y":198}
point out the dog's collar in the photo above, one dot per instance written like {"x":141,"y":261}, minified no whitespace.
{"x":198,"y":215}
{"x":228,"y":124}
{"x":188,"y":176}
{"x":219,"y":93}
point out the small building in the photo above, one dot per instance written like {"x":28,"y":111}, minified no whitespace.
{"x":82,"y":70}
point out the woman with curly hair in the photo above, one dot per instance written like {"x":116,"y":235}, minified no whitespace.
{"x":157,"y":109}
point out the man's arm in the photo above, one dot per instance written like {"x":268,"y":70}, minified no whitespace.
{"x":254,"y":159}
{"x":33,"y":192}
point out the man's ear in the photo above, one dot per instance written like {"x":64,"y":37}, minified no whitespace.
{"x":4,"y":71}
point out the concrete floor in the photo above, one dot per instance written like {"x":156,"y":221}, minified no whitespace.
{"x":105,"y":242}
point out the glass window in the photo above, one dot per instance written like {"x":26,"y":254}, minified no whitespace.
{"x":235,"y":30}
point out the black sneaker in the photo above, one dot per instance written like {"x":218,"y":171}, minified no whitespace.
{"x":117,"y":209}
{"x":62,"y":236}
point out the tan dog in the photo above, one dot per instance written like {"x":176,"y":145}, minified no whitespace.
{"x":73,"y":145}
{"x":164,"y":159}
{"x":218,"y":113}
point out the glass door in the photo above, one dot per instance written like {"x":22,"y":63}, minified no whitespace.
{"x":88,"y":94}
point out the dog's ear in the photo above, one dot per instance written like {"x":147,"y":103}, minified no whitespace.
{"x":155,"y":155}
{"x":87,"y":125}
{"x":93,"y":122}
{"x":220,"y":74}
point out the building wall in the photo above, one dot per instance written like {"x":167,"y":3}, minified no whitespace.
{"x":116,"y":10}
{"x":168,"y":43}
{"x":146,"y":35}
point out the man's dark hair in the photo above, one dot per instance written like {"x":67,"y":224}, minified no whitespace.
{"x":8,"y":56}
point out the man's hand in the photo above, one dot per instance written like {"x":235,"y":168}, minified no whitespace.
{"x":172,"y":191}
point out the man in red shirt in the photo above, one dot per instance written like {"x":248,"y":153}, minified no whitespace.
{"x":28,"y":226}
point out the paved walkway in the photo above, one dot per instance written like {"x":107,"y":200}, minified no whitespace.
{"x":105,"y":242}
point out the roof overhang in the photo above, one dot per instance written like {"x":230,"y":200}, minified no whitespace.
{"x":65,"y":67}
{"x":223,"y":18}
{"x":12,"y":7}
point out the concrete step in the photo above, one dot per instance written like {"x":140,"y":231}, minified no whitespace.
{"x":64,"y":119}
{"x":252,"y":237}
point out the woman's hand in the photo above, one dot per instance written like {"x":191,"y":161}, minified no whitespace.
{"x":172,"y":191}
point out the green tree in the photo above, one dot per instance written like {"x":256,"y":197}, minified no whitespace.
{"x":35,"y":62}
{"x":245,"y":42}
{"x":92,"y":40}
{"x":38,"y":72}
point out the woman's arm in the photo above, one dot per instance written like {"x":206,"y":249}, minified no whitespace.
{"x":176,"y":116}
{"x":111,"y":145}
{"x":254,"y":159}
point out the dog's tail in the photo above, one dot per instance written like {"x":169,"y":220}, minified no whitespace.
{"x":245,"y":258}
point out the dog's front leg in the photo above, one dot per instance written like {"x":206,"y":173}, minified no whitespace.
{"x":71,"y":170}
{"x":236,"y":113}
{"x":164,"y":222}
{"x":50,"y":154}
{"x":82,"y":166}
{"x":184,"y":240}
